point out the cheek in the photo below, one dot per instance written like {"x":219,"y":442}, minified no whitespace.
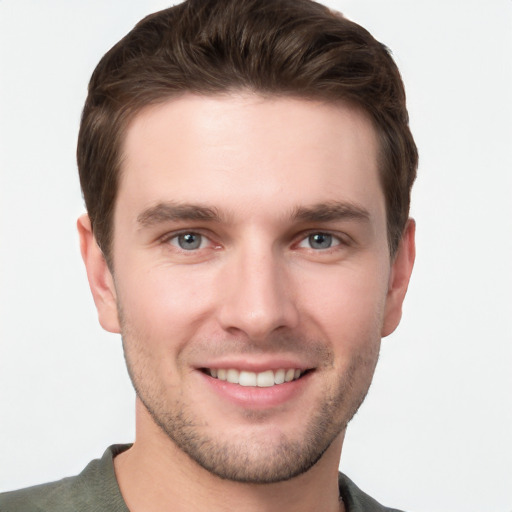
{"x":347,"y":304}
{"x":165,"y":303}
{"x":161,"y":310}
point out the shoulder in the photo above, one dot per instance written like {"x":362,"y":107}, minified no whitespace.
{"x":50,"y":496}
{"x":95,"y":488}
{"x":358,"y":501}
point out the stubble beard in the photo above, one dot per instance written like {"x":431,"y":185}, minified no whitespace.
{"x":253,"y":459}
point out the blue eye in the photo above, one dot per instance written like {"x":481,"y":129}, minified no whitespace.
{"x":319,"y":241}
{"x":188,"y":241}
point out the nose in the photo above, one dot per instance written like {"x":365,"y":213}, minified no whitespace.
{"x":258,"y":295}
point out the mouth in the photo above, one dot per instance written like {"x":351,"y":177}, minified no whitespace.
{"x":264,"y":379}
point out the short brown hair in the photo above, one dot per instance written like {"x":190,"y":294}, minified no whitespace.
{"x":273,"y":47}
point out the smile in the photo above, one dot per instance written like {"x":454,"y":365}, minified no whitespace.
{"x":265,"y":379}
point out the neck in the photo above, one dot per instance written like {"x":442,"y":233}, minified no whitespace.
{"x":155,"y":475}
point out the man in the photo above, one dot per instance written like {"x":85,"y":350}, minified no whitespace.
{"x":246,"y":167}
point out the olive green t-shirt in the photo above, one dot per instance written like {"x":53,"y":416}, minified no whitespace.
{"x":95,"y":489}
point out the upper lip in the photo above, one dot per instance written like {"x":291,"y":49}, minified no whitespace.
{"x":254,"y":365}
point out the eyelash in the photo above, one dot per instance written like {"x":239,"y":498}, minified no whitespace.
{"x":335,"y":239}
{"x":168,"y":239}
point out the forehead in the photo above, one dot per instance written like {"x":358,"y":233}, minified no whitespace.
{"x":237,"y":151}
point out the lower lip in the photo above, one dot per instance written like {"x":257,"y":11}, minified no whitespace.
{"x":252,"y":397}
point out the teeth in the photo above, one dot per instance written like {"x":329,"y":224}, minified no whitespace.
{"x":279,"y":376}
{"x":290,"y":374}
{"x":232,"y":376}
{"x":248,"y":379}
{"x":264,"y":379}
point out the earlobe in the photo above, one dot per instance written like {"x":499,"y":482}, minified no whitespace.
{"x":400,"y":275}
{"x":100,"y":278}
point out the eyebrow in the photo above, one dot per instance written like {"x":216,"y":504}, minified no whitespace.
{"x":170,"y":211}
{"x":322,"y":212}
{"x":331,"y":211}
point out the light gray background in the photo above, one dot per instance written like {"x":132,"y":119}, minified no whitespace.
{"x":435,"y":432}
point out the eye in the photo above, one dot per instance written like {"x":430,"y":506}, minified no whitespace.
{"x":319,"y":241}
{"x":189,"y":241}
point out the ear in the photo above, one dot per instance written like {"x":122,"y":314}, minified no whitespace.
{"x":401,"y":269}
{"x":100,"y":278}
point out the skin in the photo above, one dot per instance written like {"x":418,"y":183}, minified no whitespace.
{"x":269,"y":177}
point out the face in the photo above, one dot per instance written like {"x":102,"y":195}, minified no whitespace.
{"x":252,"y":280}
